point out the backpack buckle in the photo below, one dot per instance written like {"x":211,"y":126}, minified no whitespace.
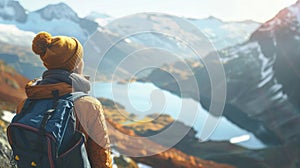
{"x":50,"y":111}
{"x":45,"y":120}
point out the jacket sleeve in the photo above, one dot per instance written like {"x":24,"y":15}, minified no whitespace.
{"x":90,"y":114}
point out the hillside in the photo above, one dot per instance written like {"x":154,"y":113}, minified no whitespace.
{"x":169,"y":159}
{"x":12,"y":87}
{"x":22,"y":59}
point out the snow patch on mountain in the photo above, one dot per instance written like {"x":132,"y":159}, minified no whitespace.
{"x":295,"y":10}
{"x":58,"y":11}
{"x":57,"y":19}
{"x":11,"y":10}
{"x":100,"y":18}
{"x":12,"y":35}
{"x":225,"y":34}
{"x":7,"y":10}
{"x":66,"y":27}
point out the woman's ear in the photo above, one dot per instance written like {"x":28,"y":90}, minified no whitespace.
{"x":79,"y":68}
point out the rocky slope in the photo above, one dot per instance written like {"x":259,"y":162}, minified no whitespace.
{"x":11,"y":92}
{"x":5,"y":152}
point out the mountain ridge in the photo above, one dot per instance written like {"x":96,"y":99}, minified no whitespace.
{"x":262,"y":78}
{"x":58,"y":11}
{"x":57,"y":19}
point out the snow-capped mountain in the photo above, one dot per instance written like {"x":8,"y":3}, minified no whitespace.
{"x":16,"y":35}
{"x":287,"y":18}
{"x":11,"y":10}
{"x":58,"y":11}
{"x":225,"y":34}
{"x":58,"y":19}
{"x":220,"y":34}
{"x":280,"y":40}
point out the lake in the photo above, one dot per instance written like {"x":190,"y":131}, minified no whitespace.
{"x":142,"y":99}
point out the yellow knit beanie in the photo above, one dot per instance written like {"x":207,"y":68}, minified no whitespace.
{"x":57,"y":52}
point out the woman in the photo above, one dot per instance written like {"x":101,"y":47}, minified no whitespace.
{"x":62,"y":56}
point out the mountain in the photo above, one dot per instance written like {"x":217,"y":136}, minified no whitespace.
{"x":110,"y":57}
{"x":57,"y":19}
{"x":145,"y":40}
{"x":158,"y":34}
{"x":124,"y":45}
{"x":22,"y":59}
{"x":100,"y":18}
{"x":262,"y":78}
{"x":60,"y":19}
{"x":279,"y":39}
{"x":16,"y":35}
{"x":58,"y":11}
{"x":12,"y":11}
{"x":225,"y":34}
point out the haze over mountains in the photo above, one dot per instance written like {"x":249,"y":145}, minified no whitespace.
{"x":19,"y":26}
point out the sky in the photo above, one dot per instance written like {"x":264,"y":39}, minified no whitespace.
{"x":227,"y":10}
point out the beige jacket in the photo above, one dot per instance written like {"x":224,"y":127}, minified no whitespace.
{"x":90,"y":120}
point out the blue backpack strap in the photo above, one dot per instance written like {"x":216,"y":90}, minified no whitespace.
{"x":49,"y":112}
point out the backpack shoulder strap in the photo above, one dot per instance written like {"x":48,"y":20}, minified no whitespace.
{"x":76,"y":95}
{"x":28,"y":105}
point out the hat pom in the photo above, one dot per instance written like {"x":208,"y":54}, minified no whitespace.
{"x":41,"y":42}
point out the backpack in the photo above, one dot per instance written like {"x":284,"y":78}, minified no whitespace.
{"x":44,"y":134}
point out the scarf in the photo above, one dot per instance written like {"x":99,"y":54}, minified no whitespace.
{"x":78,"y":82}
